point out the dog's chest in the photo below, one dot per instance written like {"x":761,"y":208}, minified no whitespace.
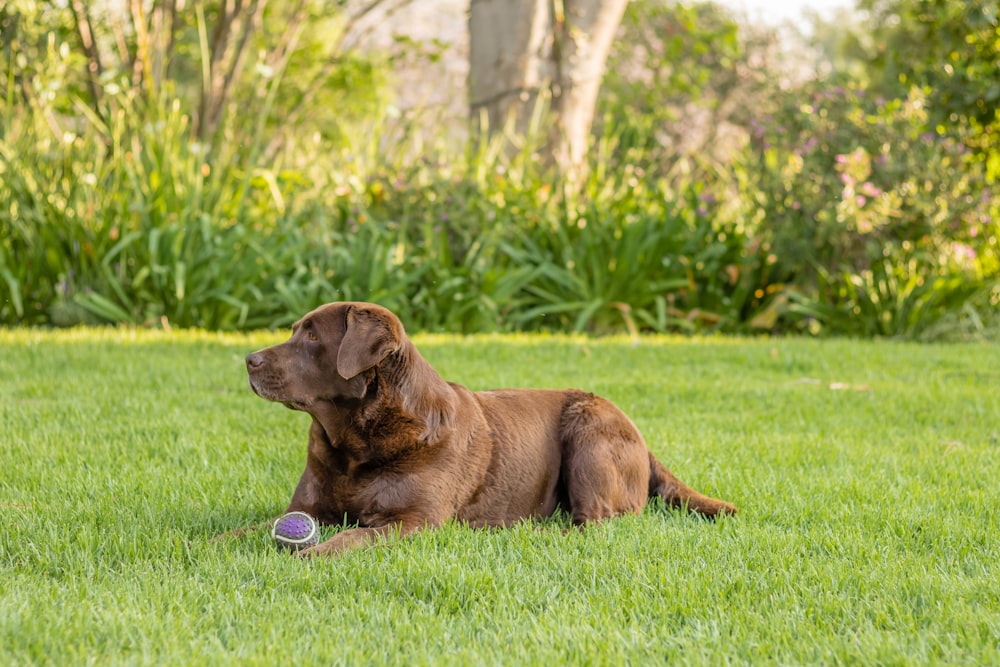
{"x":368,"y":490}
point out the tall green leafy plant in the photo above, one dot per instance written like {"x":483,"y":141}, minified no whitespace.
{"x":897,"y":297}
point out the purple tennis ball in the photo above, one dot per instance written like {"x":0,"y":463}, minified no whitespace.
{"x":295,"y":531}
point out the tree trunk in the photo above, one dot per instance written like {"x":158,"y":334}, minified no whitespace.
{"x":523,"y":52}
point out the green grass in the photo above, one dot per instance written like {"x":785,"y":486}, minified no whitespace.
{"x":869,"y":530}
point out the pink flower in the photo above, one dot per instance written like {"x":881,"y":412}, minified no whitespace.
{"x":963,"y":251}
{"x":869,"y":188}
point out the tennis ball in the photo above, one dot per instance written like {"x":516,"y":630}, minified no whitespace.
{"x":295,"y":531}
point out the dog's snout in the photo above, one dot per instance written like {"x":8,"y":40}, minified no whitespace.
{"x":255,"y":360}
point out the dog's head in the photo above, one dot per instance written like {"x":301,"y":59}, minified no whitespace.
{"x":328,"y":356}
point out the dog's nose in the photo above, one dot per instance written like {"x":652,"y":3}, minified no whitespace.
{"x":255,"y":360}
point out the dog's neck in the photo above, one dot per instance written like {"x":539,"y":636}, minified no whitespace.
{"x":406,"y":401}
{"x":406,"y":381}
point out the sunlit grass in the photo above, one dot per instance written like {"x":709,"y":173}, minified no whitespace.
{"x":865,"y":473}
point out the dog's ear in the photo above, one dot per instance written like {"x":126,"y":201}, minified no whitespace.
{"x":373,"y":333}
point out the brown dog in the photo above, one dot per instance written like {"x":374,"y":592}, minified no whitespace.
{"x":395,"y":448}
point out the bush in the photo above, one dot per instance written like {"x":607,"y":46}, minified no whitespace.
{"x":480,"y":242}
{"x":143,"y":229}
{"x":844,"y":214}
{"x":882,"y":226}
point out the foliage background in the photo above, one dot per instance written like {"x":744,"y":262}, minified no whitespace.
{"x":233,"y":171}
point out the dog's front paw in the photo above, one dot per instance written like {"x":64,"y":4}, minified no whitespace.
{"x":308,"y":554}
{"x":347,"y":540}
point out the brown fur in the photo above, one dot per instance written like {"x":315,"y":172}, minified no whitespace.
{"x":395,"y":448}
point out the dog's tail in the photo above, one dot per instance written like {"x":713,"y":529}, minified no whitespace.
{"x":662,"y":483}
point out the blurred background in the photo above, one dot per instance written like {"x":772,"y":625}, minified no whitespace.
{"x":821,"y":168}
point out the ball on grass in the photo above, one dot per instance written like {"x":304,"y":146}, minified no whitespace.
{"x":295,"y":531}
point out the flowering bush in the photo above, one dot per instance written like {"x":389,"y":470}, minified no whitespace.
{"x":844,"y":182}
{"x":837,"y":179}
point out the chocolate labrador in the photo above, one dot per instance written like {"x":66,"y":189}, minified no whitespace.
{"x":394,"y":448}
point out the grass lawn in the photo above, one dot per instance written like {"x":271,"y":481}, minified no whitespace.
{"x":867,"y":474}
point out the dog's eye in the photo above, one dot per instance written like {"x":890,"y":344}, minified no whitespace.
{"x":312,"y":336}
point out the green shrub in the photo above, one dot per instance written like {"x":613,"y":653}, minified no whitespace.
{"x":843,"y":215}
{"x":896,"y":297}
{"x":882,"y":226}
{"x":142,"y":231}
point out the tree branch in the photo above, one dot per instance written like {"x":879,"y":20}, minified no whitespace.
{"x":126,"y":56}
{"x":84,"y":30}
{"x":317,"y":80}
{"x":353,"y":20}
{"x":223,"y":84}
